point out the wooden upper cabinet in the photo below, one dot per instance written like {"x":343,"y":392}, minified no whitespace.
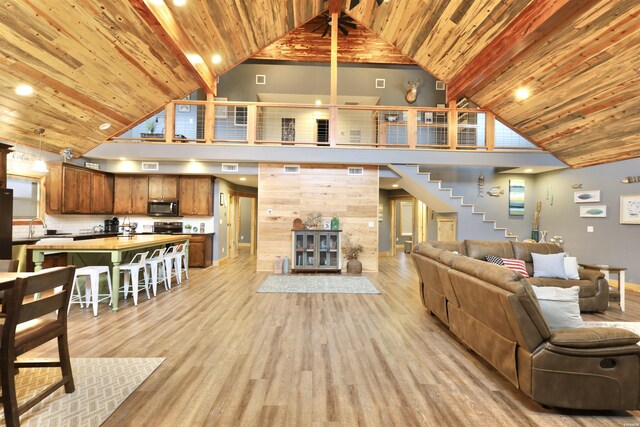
{"x":163,"y":187}
{"x":196,"y":196}
{"x":76,"y":190}
{"x":131,"y":195}
{"x":101,"y":193}
{"x":53,"y":189}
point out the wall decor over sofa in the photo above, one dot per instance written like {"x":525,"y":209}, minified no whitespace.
{"x":516,"y":197}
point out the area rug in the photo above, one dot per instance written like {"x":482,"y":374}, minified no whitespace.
{"x":102,"y":384}
{"x":318,"y":285}
{"x":632,"y":326}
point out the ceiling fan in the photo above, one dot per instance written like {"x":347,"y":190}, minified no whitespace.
{"x":344,"y":22}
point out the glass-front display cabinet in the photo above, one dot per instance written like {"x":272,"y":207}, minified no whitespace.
{"x":316,"y":250}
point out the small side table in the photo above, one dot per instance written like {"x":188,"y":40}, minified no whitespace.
{"x":607,"y":270}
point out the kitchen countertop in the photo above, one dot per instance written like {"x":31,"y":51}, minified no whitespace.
{"x":110,"y":243}
{"x":75,"y":236}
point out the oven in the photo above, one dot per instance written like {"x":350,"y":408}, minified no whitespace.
{"x":167,"y":227}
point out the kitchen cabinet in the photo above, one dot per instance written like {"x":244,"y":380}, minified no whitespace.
{"x":68,"y":189}
{"x":196,"y":194}
{"x":316,"y":250}
{"x":163,"y":187}
{"x":200,"y":250}
{"x":101,"y":193}
{"x":131,"y":195}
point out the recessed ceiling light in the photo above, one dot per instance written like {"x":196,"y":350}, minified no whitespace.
{"x":104,"y":126}
{"x":24,"y":90}
{"x":123,"y":158}
{"x":522,"y":93}
{"x":243,"y":178}
{"x":179,"y":2}
{"x":194,"y":58}
{"x":216,"y":59}
{"x":318,"y":102}
{"x":395,"y":185}
{"x":528,"y":170}
{"x":156,"y":1}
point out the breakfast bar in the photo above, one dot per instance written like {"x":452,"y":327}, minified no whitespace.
{"x":115,"y":246}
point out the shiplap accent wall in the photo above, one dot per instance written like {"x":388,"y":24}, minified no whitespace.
{"x":325,"y":188}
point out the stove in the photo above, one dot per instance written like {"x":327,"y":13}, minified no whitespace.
{"x":167,"y":227}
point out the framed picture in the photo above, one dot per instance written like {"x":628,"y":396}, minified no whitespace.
{"x":184,"y":108}
{"x":288,"y":129}
{"x":586,"y":196}
{"x":326,"y":225}
{"x":630,"y":209}
{"x":221,"y":199}
{"x":593,"y":211}
{"x":221,"y":111}
{"x":516,"y":197}
{"x":428,"y":117}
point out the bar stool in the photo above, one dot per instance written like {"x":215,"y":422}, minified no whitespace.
{"x":131,"y":273}
{"x":181,"y":261}
{"x":156,"y":264}
{"x":170,"y":261}
{"x":92,"y":285}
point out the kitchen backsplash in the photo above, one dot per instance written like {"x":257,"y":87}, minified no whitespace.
{"x":76,"y":224}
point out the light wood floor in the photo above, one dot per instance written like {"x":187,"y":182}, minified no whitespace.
{"x":236,"y":357}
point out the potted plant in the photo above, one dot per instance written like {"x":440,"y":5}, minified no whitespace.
{"x":351,"y":252}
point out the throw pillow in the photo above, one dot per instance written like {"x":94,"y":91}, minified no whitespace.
{"x":560,"y":306}
{"x":571,"y":268}
{"x":516,"y":265}
{"x":549,"y":265}
{"x":494,"y":260}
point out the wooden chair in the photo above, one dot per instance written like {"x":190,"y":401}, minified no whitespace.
{"x":28,"y":324}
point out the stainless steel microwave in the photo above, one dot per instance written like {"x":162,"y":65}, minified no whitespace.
{"x":162,"y":207}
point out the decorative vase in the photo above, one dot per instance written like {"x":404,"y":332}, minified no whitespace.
{"x":277,"y":265}
{"x":335,"y":223}
{"x":354,"y":266}
{"x":285,"y":265}
{"x":535,"y":235}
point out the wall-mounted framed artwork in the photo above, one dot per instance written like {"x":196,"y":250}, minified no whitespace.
{"x":630,"y":209}
{"x":516,"y":197}
{"x":593,"y":211}
{"x":586,"y":196}
{"x":288,"y":129}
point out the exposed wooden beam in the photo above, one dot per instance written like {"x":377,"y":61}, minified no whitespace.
{"x":333,"y":109}
{"x":534,"y":24}
{"x":162,"y":22}
{"x":335,"y":6}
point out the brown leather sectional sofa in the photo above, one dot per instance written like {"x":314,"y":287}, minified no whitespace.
{"x":495,"y":313}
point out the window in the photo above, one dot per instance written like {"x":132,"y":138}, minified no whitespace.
{"x":26,"y":196}
{"x":240,"y":116}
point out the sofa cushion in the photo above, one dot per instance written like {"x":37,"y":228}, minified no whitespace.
{"x":551,"y":265}
{"x":515,"y":265}
{"x":571,"y":268}
{"x":560,"y":306}
{"x":479,"y":249}
{"x":451,"y":246}
{"x":523,"y":251}
{"x":593,"y":337}
{"x":587,"y":290}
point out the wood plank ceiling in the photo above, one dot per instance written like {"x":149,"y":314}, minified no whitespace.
{"x":118,"y":61}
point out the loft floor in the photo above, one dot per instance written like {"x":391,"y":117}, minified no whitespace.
{"x":235,"y":357}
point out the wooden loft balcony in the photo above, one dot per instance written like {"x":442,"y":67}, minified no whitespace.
{"x":351,"y":126}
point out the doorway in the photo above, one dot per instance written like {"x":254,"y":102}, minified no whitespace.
{"x":408,"y":223}
{"x":242,"y":230}
{"x":322,"y":131}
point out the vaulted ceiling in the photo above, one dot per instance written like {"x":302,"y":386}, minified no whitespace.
{"x":118,"y":61}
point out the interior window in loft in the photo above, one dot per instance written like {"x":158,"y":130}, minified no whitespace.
{"x":26,"y":196}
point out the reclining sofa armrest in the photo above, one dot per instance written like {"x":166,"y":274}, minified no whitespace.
{"x":589,"y":274}
{"x":593,"y":338}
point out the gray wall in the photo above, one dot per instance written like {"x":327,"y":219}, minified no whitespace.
{"x":464,"y":181}
{"x":610,"y":242}
{"x":239,"y":84}
{"x":384,"y":225}
{"x":245,"y":220}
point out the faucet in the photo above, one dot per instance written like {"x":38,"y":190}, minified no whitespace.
{"x":31,"y":221}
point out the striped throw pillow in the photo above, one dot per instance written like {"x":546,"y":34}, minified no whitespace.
{"x":516,"y":265}
{"x":494,"y":259}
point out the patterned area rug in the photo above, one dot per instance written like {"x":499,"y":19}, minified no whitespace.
{"x":632,"y":326}
{"x":318,"y":285}
{"x":102,"y":384}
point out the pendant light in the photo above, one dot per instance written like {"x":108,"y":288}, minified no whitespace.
{"x":39,"y":165}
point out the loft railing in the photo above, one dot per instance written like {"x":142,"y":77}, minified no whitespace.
{"x":353,"y":126}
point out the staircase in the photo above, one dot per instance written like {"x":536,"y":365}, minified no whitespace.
{"x":471,"y":224}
